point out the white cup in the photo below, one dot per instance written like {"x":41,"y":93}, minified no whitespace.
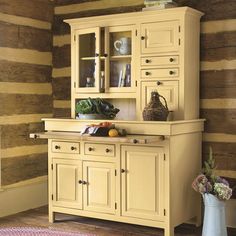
{"x":123,"y":46}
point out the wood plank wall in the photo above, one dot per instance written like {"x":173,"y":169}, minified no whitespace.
{"x":218,"y":68}
{"x":25,"y":86}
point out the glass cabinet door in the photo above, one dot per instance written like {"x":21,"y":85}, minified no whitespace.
{"x":121,"y":50}
{"x":88,"y":60}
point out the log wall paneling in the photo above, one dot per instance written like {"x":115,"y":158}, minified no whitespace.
{"x":25,"y":86}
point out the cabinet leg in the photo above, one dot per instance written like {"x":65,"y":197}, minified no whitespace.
{"x":51,"y":217}
{"x":169,"y":231}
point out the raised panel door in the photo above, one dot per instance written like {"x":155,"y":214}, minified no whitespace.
{"x":168,"y":89}
{"x":142,"y":181}
{"x":160,"y":37}
{"x":99,"y":190}
{"x":67,"y":192}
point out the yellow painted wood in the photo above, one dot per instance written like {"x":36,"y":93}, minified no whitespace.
{"x":67,"y":192}
{"x":99,"y":190}
{"x":65,"y":147}
{"x":99,"y":149}
{"x":168,"y":89}
{"x":160,"y":61}
{"x":160,"y":37}
{"x":160,"y":73}
{"x":142,"y":182}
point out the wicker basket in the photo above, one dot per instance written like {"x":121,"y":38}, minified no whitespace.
{"x":155,"y":110}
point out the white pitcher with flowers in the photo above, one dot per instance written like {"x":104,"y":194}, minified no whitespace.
{"x":215,"y":191}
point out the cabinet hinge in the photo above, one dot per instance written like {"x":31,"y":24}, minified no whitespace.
{"x":136,"y":83}
{"x":74,"y":37}
{"x":164,"y":212}
{"x":179,"y":41}
{"x":115,"y":205}
{"x":136,"y":32}
{"x":179,"y":29}
{"x":115,"y":172}
{"x":164,"y":157}
{"x":52,"y":197}
{"x":51,"y":166}
{"x":74,"y":85}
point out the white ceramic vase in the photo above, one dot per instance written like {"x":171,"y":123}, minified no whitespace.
{"x":214,"y":216}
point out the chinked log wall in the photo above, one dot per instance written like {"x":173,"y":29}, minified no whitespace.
{"x":25,"y":87}
{"x":218,"y":68}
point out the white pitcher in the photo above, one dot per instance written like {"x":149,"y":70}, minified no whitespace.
{"x":214,"y":216}
{"x":123,"y":46}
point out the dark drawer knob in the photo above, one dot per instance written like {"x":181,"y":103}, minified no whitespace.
{"x":57,"y":147}
{"x":105,"y":55}
{"x":171,"y":72}
{"x":96,"y":54}
{"x":135,"y":141}
{"x":73,"y":148}
{"x":159,"y":83}
{"x":80,"y":182}
{"x":107,"y":150}
{"x":147,"y":61}
{"x":84,"y":182}
{"x":171,"y":59}
{"x":147,"y":73}
{"x":122,"y":170}
{"x":90,"y":149}
{"x":142,"y":37}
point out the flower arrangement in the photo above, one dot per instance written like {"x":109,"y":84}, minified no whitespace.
{"x":208,"y":183}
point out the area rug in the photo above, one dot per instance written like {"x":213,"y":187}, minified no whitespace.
{"x":33,"y":231}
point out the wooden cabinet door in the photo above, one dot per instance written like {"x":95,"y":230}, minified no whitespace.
{"x":160,"y":37}
{"x":67,"y":192}
{"x":142,"y":180}
{"x":99,"y":190}
{"x":168,"y":89}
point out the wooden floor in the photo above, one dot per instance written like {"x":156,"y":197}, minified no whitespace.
{"x":39,"y":218}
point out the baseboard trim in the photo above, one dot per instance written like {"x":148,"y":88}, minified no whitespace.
{"x":23,"y":197}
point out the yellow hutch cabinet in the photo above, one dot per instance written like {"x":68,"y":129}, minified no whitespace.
{"x":143,"y":178}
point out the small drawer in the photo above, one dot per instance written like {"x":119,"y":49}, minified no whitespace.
{"x":160,"y":73}
{"x":160,"y":61}
{"x":99,"y":149}
{"x":65,"y":147}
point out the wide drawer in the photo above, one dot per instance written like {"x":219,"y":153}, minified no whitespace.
{"x":160,"y":73}
{"x":65,"y":147}
{"x":160,"y":61}
{"x":99,"y":149}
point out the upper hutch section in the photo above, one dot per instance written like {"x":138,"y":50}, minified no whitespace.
{"x":124,"y":57}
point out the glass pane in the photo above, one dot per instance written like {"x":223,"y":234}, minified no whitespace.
{"x":87,"y":49}
{"x":120,"y":73}
{"x":87,"y":73}
{"x":120,"y":43}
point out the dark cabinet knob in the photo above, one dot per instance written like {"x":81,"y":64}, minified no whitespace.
{"x":73,"y":148}
{"x":159,"y":83}
{"x":135,"y":141}
{"x":171,"y":59}
{"x":142,"y":37}
{"x":84,"y":182}
{"x":80,"y":182}
{"x":107,"y":150}
{"x":57,"y":147}
{"x":122,"y":170}
{"x":90,"y":149}
{"x":147,"y":61}
{"x":147,"y":73}
{"x":105,"y":55}
{"x":171,"y":72}
{"x":96,"y":54}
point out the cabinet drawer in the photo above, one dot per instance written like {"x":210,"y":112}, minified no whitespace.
{"x":99,"y":149}
{"x":65,"y":147}
{"x":160,"y":73}
{"x":160,"y":61}
{"x":168,"y":89}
